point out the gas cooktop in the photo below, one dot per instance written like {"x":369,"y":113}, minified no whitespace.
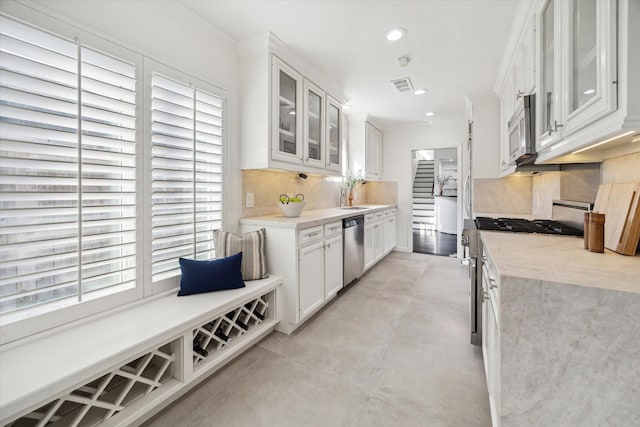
{"x":519,"y":225}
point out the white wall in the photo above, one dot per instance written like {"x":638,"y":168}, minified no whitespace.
{"x":397,"y":145}
{"x":166,"y":33}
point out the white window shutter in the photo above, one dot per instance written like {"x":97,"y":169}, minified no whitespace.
{"x":187,"y":172}
{"x":67,"y":171}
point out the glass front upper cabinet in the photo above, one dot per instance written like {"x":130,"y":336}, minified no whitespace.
{"x":547,"y":98}
{"x":287,"y":83}
{"x":334,"y":132}
{"x":584,"y":67}
{"x":591,"y":91}
{"x":314,"y":125}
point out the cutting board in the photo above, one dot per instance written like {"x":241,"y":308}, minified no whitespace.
{"x":621,"y":205}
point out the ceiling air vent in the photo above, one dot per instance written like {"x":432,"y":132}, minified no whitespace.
{"x":403,"y":84}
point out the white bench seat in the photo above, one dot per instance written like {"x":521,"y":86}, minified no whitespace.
{"x":43,"y":368}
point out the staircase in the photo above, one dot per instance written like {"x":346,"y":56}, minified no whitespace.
{"x":423,"y":203}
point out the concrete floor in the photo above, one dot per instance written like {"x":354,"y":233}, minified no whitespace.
{"x":391,"y":350}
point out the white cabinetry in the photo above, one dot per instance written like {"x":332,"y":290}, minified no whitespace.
{"x":333,"y":277}
{"x":314,"y":125}
{"x":310,"y":264}
{"x":365,"y":148}
{"x":373,"y":238}
{"x":578,"y":83}
{"x":388,"y":231}
{"x":311,"y":271}
{"x":491,"y":334}
{"x":373,"y":152}
{"x":286,"y":139}
{"x":291,"y":115}
{"x":334,"y":126}
{"x":587,"y":78}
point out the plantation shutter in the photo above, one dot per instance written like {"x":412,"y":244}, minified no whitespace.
{"x":187,"y":173}
{"x":67,"y":171}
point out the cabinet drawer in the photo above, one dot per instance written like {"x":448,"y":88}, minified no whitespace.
{"x":370,"y":217}
{"x":332,"y":229}
{"x":309,"y":235}
{"x":389,"y":213}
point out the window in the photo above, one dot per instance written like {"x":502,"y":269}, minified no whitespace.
{"x":77,"y":174}
{"x":186,"y":136}
{"x":67,"y":171}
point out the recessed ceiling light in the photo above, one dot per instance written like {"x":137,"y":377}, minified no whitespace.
{"x":396,"y":34}
{"x":430,"y":113}
{"x":589,"y":91}
{"x":292,"y":112}
{"x":420,"y":91}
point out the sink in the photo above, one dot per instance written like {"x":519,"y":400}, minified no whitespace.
{"x":354,"y":208}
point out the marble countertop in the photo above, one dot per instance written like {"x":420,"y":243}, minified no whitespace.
{"x":561,"y":259}
{"x":311,"y":218}
{"x":504,"y":215}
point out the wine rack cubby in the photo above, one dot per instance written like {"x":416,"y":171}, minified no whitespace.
{"x":227,"y":329}
{"x":98,"y":400}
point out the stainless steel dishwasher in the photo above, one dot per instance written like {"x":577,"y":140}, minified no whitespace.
{"x":353,"y":248}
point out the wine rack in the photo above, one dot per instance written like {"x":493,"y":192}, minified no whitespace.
{"x":98,"y":400}
{"x":224,"y":330}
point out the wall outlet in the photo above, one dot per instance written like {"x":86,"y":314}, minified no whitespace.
{"x":249,"y":200}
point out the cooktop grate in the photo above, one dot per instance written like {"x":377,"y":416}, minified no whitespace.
{"x":519,"y":225}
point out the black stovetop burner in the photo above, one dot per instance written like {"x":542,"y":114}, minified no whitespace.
{"x":519,"y":225}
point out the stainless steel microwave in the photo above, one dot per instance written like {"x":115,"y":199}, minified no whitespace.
{"x":522,"y":135}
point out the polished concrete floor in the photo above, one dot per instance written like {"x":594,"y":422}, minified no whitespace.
{"x":391,"y":350}
{"x":433,"y":242}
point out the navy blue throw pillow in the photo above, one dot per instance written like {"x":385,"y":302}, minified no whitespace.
{"x":208,"y":276}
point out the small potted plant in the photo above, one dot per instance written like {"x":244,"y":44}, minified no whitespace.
{"x":349,"y":181}
{"x":442,"y":181}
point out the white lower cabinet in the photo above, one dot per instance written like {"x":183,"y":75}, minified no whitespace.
{"x":388,"y":231}
{"x":379,"y":236}
{"x":311,"y":267}
{"x":491,"y":335}
{"x":310,"y":262}
{"x":333,"y":278}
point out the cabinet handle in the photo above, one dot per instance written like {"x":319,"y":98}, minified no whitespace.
{"x":485,"y":296}
{"x":493,"y":283}
{"x":519,"y":94}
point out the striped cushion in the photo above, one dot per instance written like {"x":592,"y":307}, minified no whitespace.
{"x":253,"y":247}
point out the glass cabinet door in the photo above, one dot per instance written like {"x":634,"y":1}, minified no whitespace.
{"x":334,"y":132}
{"x":591,"y":91}
{"x":546,"y":100}
{"x":286,"y":135}
{"x":314,"y":123}
{"x":583,"y":58}
{"x":548,"y":126}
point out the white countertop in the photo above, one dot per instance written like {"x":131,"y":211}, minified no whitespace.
{"x":561,"y":259}
{"x":311,"y":218}
{"x":530,"y":217}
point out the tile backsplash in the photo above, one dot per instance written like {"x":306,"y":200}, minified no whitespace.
{"x":319,"y":192}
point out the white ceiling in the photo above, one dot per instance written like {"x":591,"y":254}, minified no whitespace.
{"x":455,"y":47}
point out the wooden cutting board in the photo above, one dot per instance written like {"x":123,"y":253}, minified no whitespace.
{"x":621,"y":205}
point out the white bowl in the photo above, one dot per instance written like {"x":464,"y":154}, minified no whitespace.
{"x":292,"y":209}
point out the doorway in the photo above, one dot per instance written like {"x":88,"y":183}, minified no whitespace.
{"x":434,"y":201}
